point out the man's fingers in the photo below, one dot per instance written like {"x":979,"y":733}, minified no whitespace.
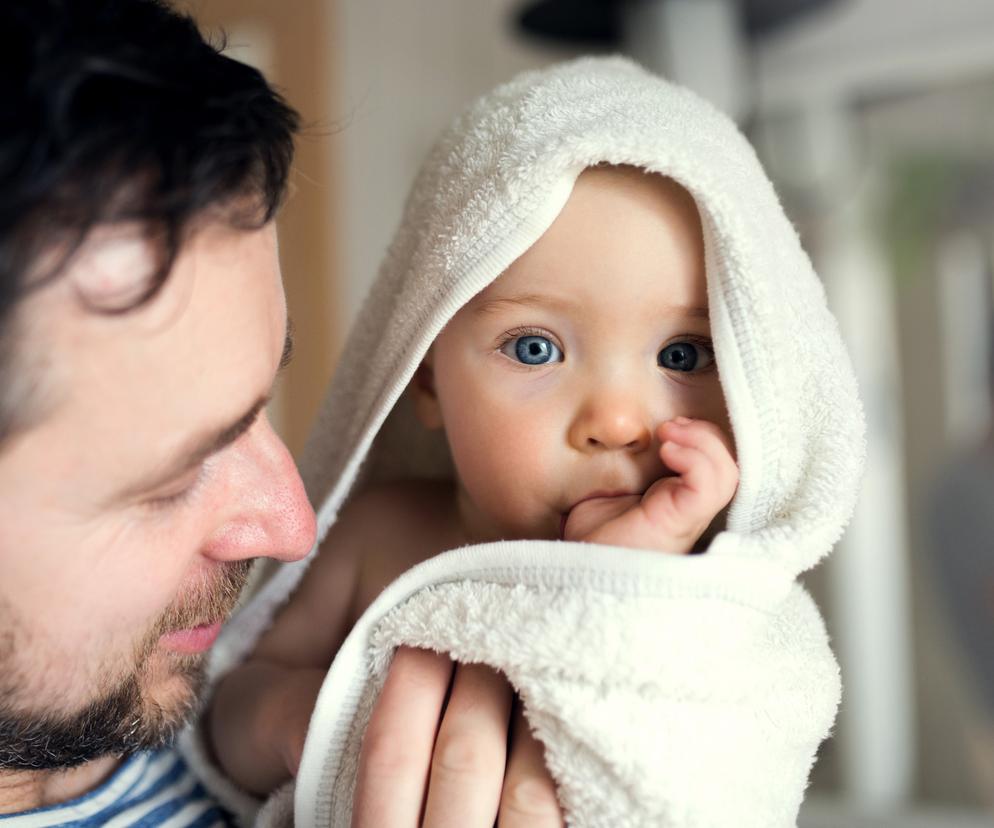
{"x":529,"y":796}
{"x":397,"y":746}
{"x":467,"y":767}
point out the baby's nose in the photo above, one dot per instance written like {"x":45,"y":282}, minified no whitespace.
{"x":611,"y":424}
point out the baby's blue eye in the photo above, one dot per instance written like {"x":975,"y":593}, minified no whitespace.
{"x":533,"y":350}
{"x":684,"y":356}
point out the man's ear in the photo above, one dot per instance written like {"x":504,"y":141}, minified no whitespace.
{"x":426,"y":405}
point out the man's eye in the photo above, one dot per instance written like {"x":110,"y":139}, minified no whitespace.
{"x":174,"y":499}
{"x":178,"y":497}
{"x":685,"y":356}
{"x":532,"y":350}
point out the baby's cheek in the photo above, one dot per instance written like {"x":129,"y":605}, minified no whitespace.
{"x":705,"y":401}
{"x":507,"y":446}
{"x":508,"y":471}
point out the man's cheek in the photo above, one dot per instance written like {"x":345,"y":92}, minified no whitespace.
{"x":137,"y":580}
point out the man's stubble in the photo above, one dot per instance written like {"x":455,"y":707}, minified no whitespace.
{"x":125,"y":717}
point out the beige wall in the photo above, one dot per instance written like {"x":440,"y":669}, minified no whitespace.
{"x":290,"y":43}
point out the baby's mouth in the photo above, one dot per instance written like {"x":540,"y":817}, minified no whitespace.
{"x":637,"y":491}
{"x":597,"y":495}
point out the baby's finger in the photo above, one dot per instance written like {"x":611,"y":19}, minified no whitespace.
{"x":529,"y":796}
{"x":397,"y":746}
{"x":589,"y":515}
{"x":713,"y":443}
{"x":695,"y":470}
{"x":467,"y":767}
{"x":701,"y":434}
{"x":686,"y":503}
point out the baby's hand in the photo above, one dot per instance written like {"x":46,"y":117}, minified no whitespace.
{"x":676,"y":510}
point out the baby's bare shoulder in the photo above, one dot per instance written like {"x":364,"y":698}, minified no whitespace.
{"x":405,"y":499}
{"x":398,"y":525}
{"x":406,"y":511}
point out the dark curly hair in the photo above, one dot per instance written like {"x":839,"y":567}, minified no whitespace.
{"x":120,"y":111}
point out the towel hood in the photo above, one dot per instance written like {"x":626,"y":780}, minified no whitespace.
{"x":496,"y":180}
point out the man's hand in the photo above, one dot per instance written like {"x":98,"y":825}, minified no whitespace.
{"x":676,"y":510}
{"x":430,"y":762}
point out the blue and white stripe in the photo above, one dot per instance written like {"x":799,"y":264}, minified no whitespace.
{"x":149,"y":789}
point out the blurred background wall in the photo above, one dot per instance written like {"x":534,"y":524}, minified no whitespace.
{"x":875,"y":119}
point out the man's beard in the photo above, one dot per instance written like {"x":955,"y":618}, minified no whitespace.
{"x":123,"y":719}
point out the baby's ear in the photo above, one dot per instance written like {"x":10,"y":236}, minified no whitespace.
{"x":426,"y":405}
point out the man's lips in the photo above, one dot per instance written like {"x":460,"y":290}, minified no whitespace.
{"x":193,"y":640}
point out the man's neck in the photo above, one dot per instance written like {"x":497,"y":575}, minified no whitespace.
{"x":26,"y":790}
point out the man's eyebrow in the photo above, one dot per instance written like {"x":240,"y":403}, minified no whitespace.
{"x":196,"y":451}
{"x":287,"y":354}
{"x":201,"y":449}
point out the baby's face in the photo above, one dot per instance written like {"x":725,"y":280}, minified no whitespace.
{"x":550,"y":384}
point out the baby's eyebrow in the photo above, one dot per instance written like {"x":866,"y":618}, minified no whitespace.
{"x":527,"y":300}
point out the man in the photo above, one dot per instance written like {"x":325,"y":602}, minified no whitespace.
{"x":142,"y":323}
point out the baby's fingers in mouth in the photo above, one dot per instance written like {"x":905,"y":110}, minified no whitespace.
{"x":592,"y":513}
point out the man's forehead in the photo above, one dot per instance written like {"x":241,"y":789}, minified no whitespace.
{"x":196,"y":358}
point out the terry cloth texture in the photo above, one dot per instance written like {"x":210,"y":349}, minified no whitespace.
{"x":667,"y":690}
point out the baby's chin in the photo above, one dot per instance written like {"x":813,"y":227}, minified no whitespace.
{"x":549,"y":529}
{"x":543,"y":534}
{"x":488,"y":525}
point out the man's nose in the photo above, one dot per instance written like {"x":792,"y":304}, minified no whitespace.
{"x":611,"y":420}
{"x":269,"y":513}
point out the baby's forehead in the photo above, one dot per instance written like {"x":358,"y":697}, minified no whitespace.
{"x":623,"y":236}
{"x":651,"y":185}
{"x":497,"y":301}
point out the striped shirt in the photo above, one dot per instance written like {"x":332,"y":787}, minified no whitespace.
{"x":148,"y":789}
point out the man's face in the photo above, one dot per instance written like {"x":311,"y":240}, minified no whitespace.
{"x":131,"y":508}
{"x":550,"y":383}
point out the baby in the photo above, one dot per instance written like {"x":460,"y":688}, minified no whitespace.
{"x":580,"y":400}
{"x":581,"y":252}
